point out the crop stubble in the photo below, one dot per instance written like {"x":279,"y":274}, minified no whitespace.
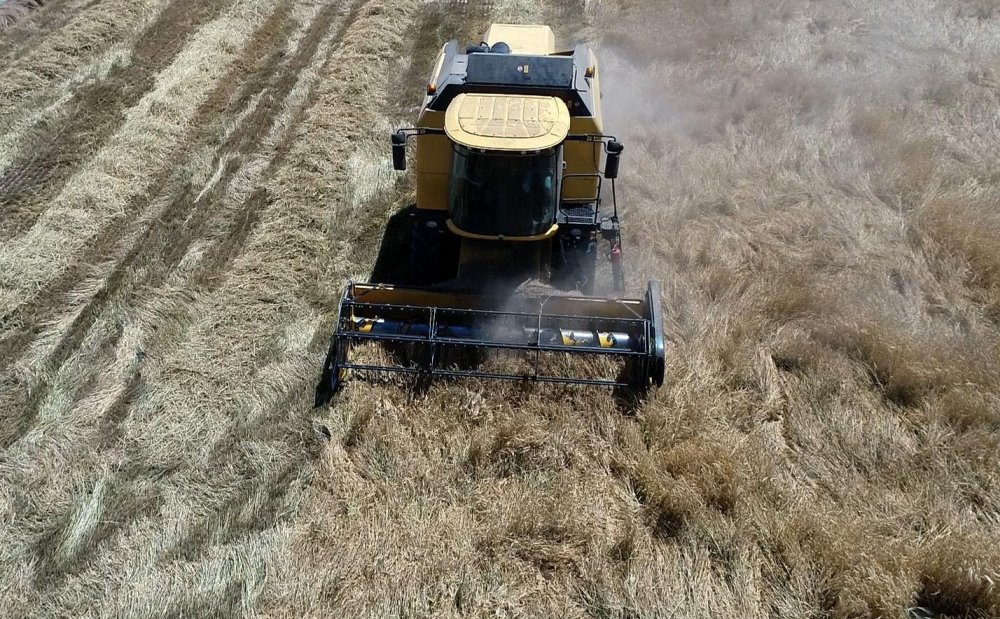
{"x":813,"y":185}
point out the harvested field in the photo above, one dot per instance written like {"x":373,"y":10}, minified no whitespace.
{"x":186,"y":185}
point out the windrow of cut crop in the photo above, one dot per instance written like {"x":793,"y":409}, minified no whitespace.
{"x":39,"y":77}
{"x":50,"y":144}
{"x":107,"y":190}
{"x":91,"y":389}
{"x":214,"y":502}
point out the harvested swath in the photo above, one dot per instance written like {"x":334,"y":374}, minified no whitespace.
{"x":71,"y":131}
{"x":813,"y":183}
{"x":13,"y":10}
{"x":39,"y":73}
{"x":103,"y":191}
{"x":177,"y":208}
{"x":118,"y":377}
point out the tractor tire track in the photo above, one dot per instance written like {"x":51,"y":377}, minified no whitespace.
{"x":246,"y":138}
{"x":92,"y":115}
{"x":162,"y":236}
{"x":25,"y":34}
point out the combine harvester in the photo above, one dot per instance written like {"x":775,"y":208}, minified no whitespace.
{"x":509,"y":190}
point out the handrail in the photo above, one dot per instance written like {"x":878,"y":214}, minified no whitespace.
{"x":596,"y":201}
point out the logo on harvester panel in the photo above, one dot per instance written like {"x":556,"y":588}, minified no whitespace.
{"x":523,"y":68}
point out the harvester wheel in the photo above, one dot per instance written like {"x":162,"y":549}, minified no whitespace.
{"x":333,"y":374}
{"x":637,"y":377}
{"x":575,"y":266}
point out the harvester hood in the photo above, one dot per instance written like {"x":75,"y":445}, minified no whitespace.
{"x":507,"y":122}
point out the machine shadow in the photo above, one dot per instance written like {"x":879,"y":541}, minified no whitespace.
{"x":392,"y":264}
{"x":628,"y":401}
{"x":392,"y":267}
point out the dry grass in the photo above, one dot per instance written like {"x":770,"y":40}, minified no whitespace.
{"x":56,"y":56}
{"x":108,"y":185}
{"x":814,"y":184}
{"x":966,"y":226}
{"x":12,"y":11}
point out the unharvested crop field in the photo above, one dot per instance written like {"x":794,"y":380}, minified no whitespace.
{"x":185,"y":185}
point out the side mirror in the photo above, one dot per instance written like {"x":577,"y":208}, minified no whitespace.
{"x":399,"y":150}
{"x":614,"y":159}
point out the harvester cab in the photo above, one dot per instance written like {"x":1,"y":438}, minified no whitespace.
{"x":509,"y":148}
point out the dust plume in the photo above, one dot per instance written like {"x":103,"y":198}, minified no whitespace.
{"x":804,"y":177}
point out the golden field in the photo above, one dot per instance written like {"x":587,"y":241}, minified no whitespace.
{"x":185,"y":186}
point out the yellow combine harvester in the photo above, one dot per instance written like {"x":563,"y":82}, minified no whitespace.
{"x":510,"y":143}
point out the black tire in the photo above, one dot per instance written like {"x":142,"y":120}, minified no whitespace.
{"x":638,"y":377}
{"x":574,"y":266}
{"x":332,"y":377}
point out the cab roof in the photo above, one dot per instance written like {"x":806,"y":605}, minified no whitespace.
{"x":507,"y":122}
